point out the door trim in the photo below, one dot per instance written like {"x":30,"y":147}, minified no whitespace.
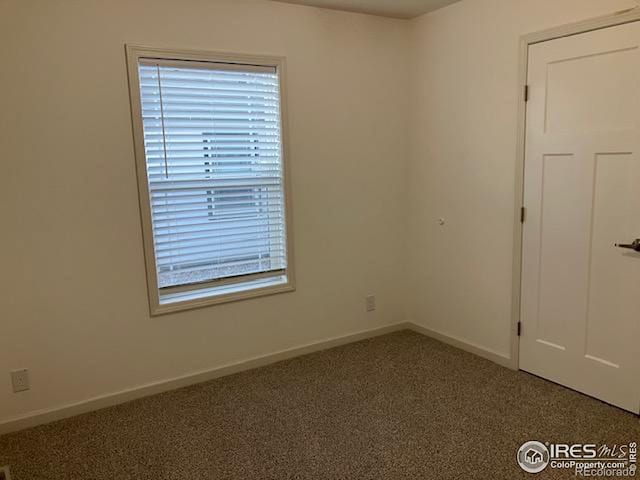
{"x":606,"y":21}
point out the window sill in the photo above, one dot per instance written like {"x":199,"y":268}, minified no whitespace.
{"x":176,"y":302}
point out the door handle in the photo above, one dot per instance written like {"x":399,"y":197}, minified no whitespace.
{"x":635,"y":245}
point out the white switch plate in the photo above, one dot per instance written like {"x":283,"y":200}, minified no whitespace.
{"x":20,"y":380}
{"x":370,"y":302}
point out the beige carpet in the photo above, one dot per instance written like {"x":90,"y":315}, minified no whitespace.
{"x":401,"y":406}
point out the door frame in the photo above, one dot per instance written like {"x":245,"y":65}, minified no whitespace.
{"x":610,"y":20}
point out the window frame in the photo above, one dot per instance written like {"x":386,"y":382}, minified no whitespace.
{"x":135,"y":53}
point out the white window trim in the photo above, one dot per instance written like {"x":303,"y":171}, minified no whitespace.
{"x":240,"y":291}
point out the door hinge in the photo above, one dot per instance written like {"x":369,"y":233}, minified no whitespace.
{"x":523,"y":214}
{"x":519,"y":328}
{"x":526,"y":93}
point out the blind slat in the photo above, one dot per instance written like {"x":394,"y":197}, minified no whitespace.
{"x":238,"y":249}
{"x":217,"y":228}
{"x":166,"y":245}
{"x":202,"y":221}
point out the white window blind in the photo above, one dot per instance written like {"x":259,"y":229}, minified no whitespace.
{"x":212,"y":140}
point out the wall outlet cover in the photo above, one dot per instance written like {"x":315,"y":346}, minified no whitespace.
{"x":20,"y":381}
{"x":370,"y":303}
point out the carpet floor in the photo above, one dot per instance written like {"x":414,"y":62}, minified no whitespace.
{"x":400,"y":406}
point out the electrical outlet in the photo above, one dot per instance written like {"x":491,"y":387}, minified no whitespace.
{"x":20,"y":380}
{"x":370,"y":302}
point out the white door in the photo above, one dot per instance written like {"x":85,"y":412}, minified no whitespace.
{"x":580,"y":307}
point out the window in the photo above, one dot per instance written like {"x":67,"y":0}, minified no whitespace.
{"x":210,"y":156}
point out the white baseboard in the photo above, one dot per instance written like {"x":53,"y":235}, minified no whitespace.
{"x":40,"y":417}
{"x":465,"y":345}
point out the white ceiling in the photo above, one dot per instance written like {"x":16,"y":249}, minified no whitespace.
{"x":386,"y":8}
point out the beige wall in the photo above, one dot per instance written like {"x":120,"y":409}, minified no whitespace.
{"x":74,"y":306}
{"x":463,"y":158}
{"x":393,"y":125}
